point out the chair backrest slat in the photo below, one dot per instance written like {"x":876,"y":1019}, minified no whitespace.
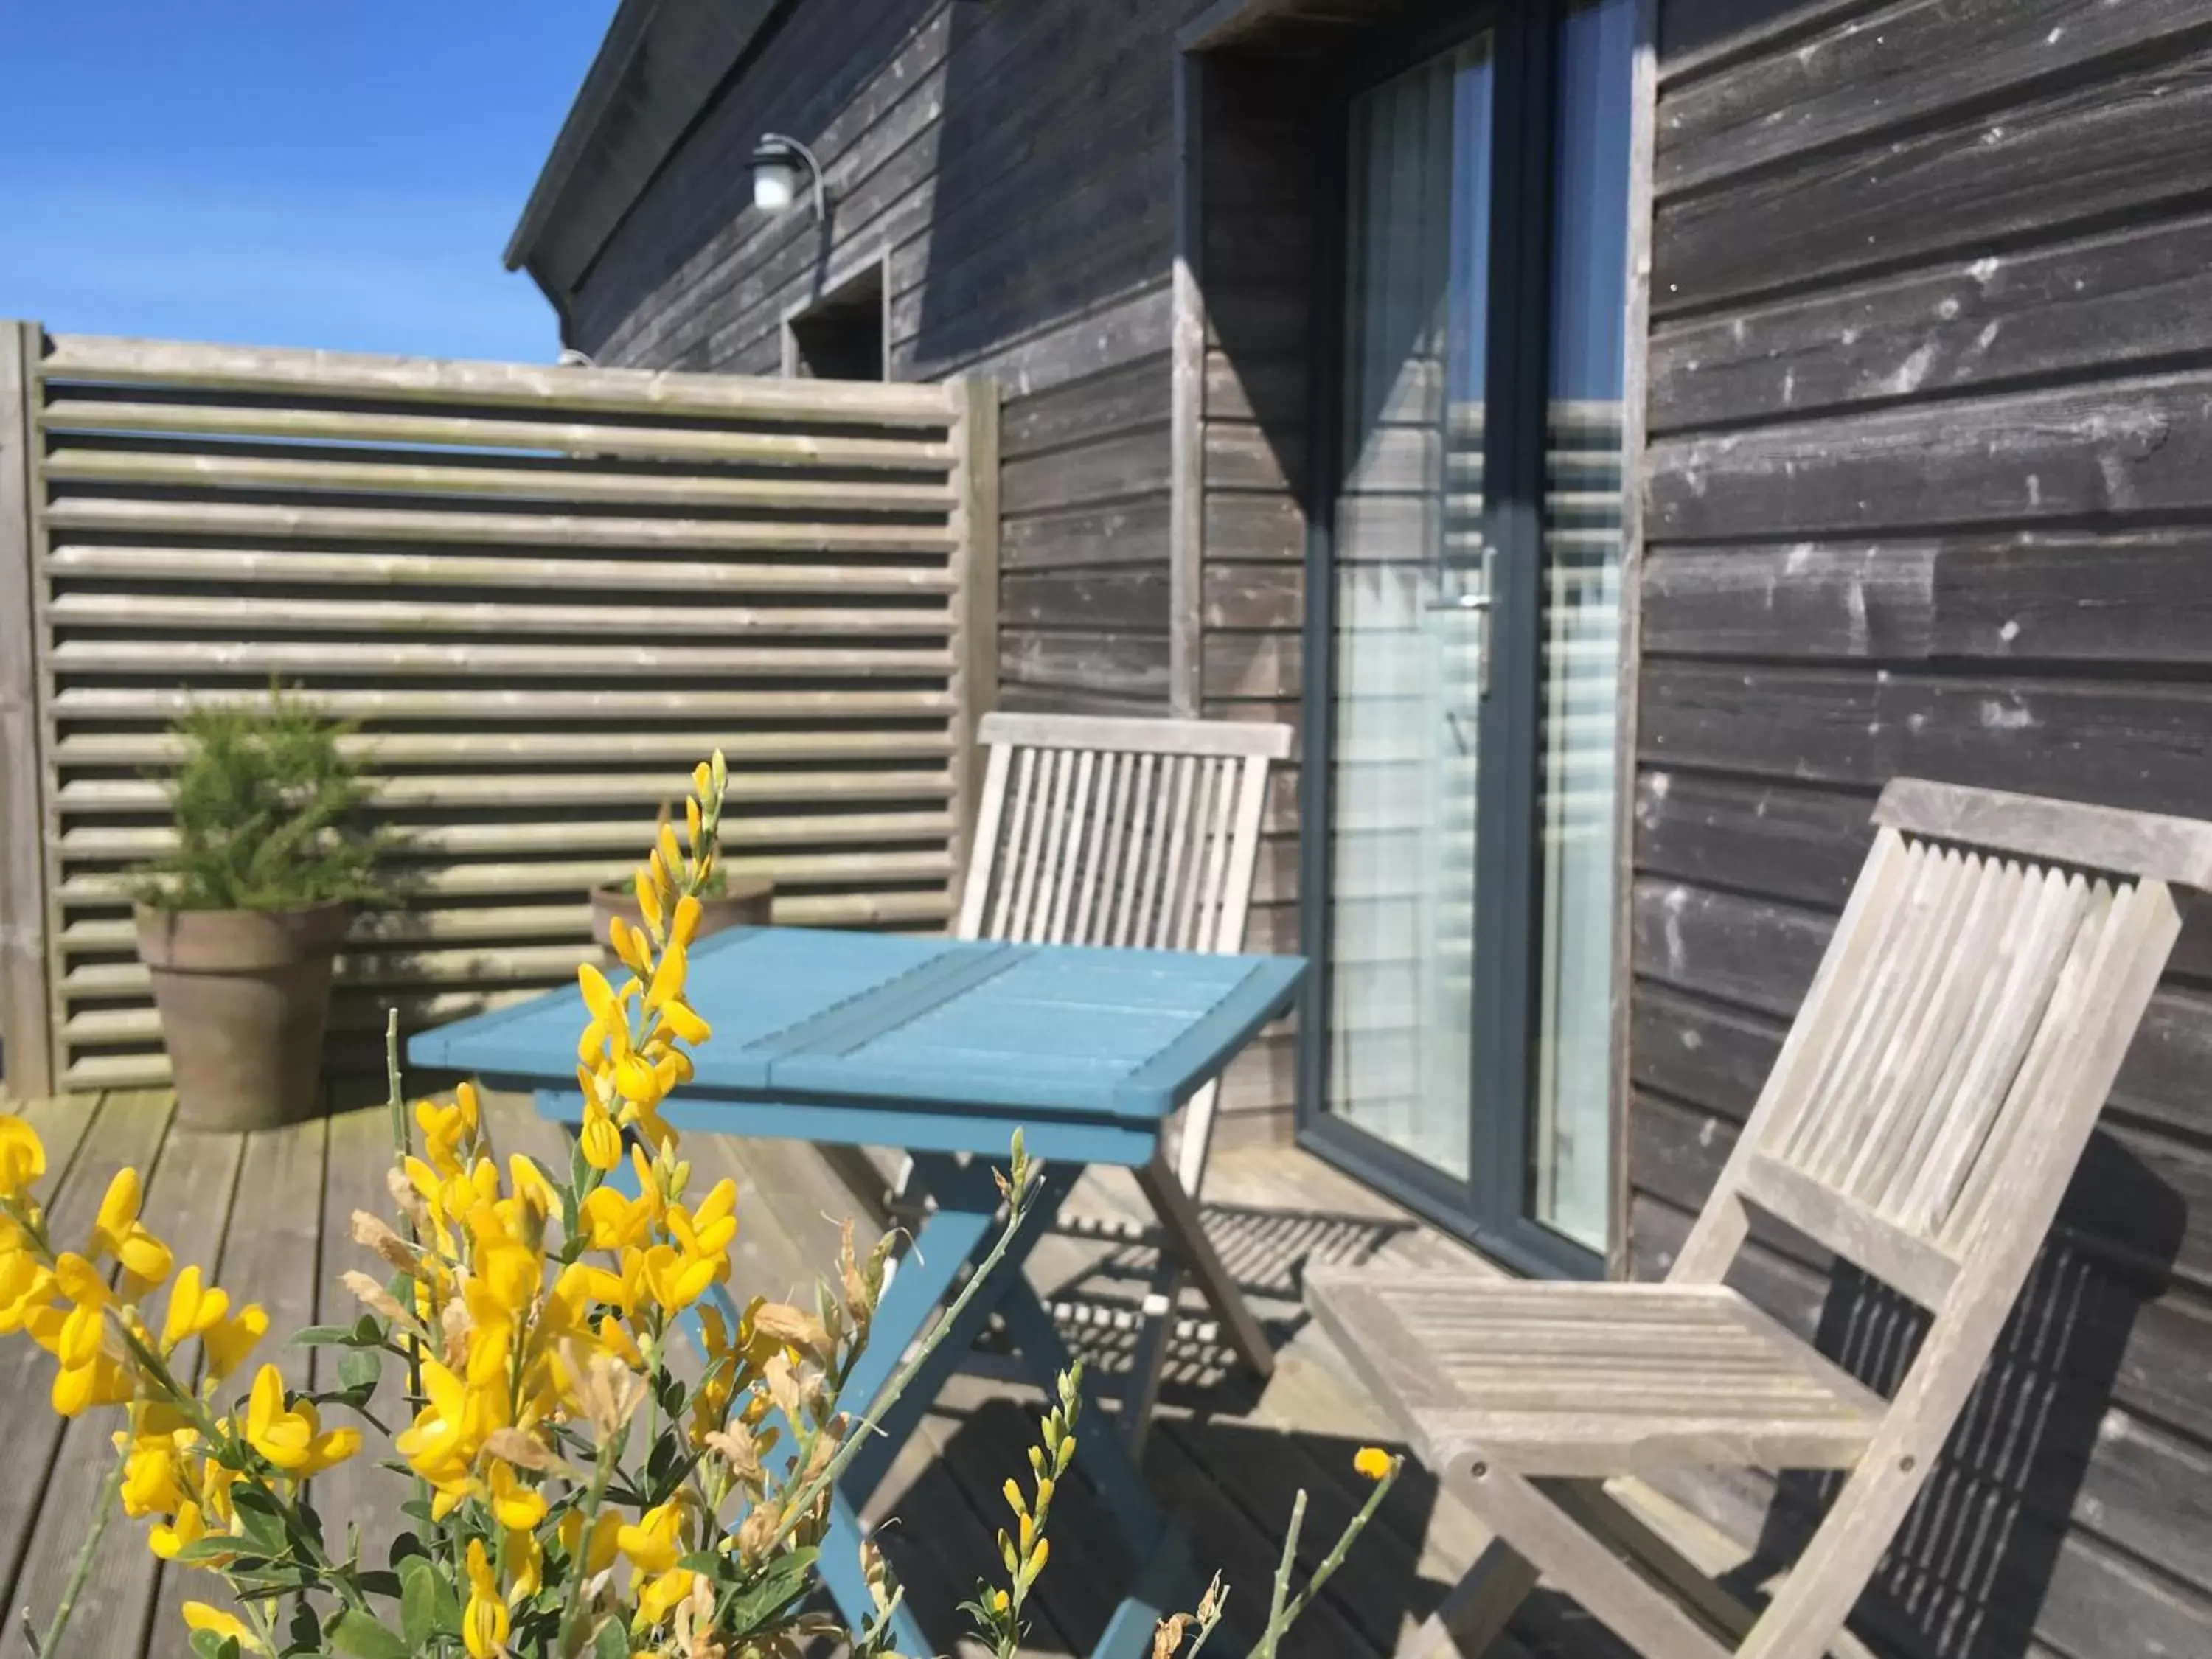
{"x":1938,"y":1062}
{"x":1009,"y":868}
{"x":1100,"y":861}
{"x":1958,"y":1036}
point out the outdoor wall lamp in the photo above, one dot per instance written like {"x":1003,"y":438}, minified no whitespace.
{"x":776,"y":177}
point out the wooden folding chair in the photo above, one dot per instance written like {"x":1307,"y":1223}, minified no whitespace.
{"x":1922,"y":1122}
{"x":1143,"y":833}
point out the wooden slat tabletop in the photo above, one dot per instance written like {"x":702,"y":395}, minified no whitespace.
{"x":903,"y":1023}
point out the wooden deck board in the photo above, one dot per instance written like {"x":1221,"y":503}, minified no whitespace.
{"x":1226,"y":1463}
{"x":270,"y":1251}
{"x":37,"y":1513}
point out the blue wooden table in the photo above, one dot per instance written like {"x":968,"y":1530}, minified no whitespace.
{"x":941,"y":1048}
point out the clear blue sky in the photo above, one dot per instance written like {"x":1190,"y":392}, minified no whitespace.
{"x":341,"y":173}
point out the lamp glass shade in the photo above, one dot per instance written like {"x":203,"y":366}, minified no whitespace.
{"x":775,"y":180}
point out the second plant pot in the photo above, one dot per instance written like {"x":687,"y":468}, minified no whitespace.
{"x":744,"y":902}
{"x":245,"y":998}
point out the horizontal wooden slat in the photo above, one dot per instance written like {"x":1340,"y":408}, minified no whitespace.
{"x":518,"y":529}
{"x":574,"y":437}
{"x":2112,"y":742}
{"x":293,"y":566}
{"x":332,"y":473}
{"x":171,"y":658}
{"x":617,"y":835}
{"x":1905,"y":64}
{"x":96,"y":934}
{"x":471,"y":880}
{"x":1898,"y":1258}
{"x":799,"y":784}
{"x":2070,"y":150}
{"x":2112,"y":448}
{"x":2039,"y":596}
{"x":327,"y":374}
{"x":152,"y":611}
{"x":2135,"y":297}
{"x":507,"y":704}
{"x":417,"y":749}
{"x":366,"y":970}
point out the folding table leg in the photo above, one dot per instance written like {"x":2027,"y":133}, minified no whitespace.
{"x":1166,"y":1577}
{"x":1141,"y":1397}
{"x":958,"y":1234}
{"x":839,"y":1564}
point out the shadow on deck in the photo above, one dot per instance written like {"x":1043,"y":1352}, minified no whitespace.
{"x":269,"y":1214}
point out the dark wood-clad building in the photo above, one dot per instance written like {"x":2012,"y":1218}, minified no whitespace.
{"x":1621,"y":435}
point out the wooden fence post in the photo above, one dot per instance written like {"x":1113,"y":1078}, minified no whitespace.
{"x":26,"y":1025}
{"x":975,"y":599}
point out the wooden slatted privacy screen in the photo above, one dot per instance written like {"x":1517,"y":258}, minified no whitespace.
{"x":543,"y":592}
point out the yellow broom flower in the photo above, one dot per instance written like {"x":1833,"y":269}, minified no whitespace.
{"x":199,"y":1616}
{"x":485,"y":1621}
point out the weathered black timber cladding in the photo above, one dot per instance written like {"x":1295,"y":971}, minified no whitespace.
{"x":1930,"y":492}
{"x":1258,"y":123}
{"x":1013,"y":166}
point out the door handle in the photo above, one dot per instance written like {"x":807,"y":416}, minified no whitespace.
{"x":1474,"y":605}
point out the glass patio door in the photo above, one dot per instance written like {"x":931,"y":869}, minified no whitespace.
{"x":1466,"y":629}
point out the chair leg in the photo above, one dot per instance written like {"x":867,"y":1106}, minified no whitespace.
{"x":1475,"y":1612}
{"x":1580,"y":1566}
{"x":1186,"y":1238}
{"x":1595,"y":1508}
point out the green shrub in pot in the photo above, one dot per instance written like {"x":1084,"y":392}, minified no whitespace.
{"x":239,"y":921}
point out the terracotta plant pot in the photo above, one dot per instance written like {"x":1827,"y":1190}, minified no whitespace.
{"x":244,"y":997}
{"x":744,"y":902}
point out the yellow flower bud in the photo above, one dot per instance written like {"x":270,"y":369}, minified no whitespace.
{"x":601,"y":1140}
{"x":23,"y":1154}
{"x":667,"y":978}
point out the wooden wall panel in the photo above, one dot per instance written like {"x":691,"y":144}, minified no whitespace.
{"x":1255,"y":174}
{"x":1925,"y":495}
{"x":544,"y":594}
{"x":1011,"y":165}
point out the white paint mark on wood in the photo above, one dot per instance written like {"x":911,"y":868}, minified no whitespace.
{"x":1913,"y":371}
{"x":1677,"y":900}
